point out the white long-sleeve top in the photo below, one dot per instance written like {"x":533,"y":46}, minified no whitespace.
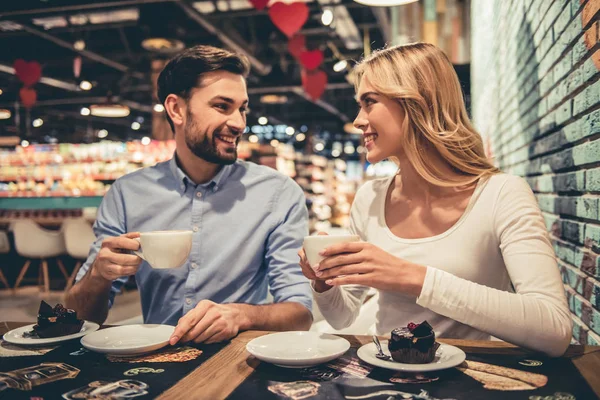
{"x":500,"y":238}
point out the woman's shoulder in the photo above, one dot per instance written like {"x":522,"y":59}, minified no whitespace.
{"x":374,"y":188}
{"x":504,"y":182}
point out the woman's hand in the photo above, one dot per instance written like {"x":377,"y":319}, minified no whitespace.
{"x":320,"y":286}
{"x":361,"y":263}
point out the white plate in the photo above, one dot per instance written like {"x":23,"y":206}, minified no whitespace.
{"x":16,"y":335}
{"x":297,"y":349}
{"x":128,"y":340}
{"x":446,"y":356}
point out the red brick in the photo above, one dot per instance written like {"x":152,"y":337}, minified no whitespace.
{"x":591,"y":35}
{"x":588,"y":289}
{"x":590,"y":9}
{"x":588,"y":263}
{"x":596,"y":59}
{"x":586,"y":313}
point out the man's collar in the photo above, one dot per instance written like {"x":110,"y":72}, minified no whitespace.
{"x":184,"y":180}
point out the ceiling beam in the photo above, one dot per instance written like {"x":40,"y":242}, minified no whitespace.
{"x":78,"y":7}
{"x":259,"y":66}
{"x":323,"y":104}
{"x":85,"y":53}
{"x":46,"y":80}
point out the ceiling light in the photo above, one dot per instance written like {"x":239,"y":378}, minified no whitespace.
{"x":159,"y":108}
{"x":349,"y":149}
{"x":340,"y":66}
{"x":319,"y":146}
{"x":385,"y":3}
{"x":109,"y":110}
{"x":273,"y":99}
{"x":135,"y":126}
{"x":85,"y":85}
{"x":24,"y":143}
{"x":79,"y":45}
{"x":253,"y":139}
{"x":37,"y":122}
{"x":263,"y":120}
{"x":300,"y":137}
{"x":1,"y":92}
{"x":327,"y":17}
{"x":335,"y":153}
{"x":163,"y":45}
{"x":274,"y":142}
{"x":146,"y":140}
{"x":4,"y":113}
{"x":290,"y":131}
{"x":102,"y":133}
{"x":303,"y":128}
{"x":85,"y":111}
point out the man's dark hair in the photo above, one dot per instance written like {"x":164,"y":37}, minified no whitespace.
{"x":184,"y":71}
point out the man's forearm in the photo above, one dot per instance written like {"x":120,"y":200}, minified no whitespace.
{"x":89,"y":297}
{"x":275,"y":317}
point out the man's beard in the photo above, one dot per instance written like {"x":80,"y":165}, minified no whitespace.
{"x":204,"y":147}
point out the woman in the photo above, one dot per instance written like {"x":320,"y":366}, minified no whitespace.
{"x":449,"y":236}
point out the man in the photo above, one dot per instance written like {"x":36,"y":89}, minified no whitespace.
{"x":247,"y":220}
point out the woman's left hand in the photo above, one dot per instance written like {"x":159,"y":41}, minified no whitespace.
{"x":362,"y":263}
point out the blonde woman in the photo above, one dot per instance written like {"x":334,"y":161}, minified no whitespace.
{"x":448,"y":237}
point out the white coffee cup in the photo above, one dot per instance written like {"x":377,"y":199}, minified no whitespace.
{"x":314,"y":244}
{"x":165,"y":249}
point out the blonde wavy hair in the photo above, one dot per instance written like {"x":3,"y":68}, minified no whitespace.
{"x":421,"y":78}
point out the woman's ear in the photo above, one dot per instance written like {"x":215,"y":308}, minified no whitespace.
{"x":174,"y":109}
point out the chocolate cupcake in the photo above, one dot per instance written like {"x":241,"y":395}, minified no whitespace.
{"x":414,"y":344}
{"x":54,"y":322}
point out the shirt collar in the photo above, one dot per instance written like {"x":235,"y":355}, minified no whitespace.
{"x":183,"y":179}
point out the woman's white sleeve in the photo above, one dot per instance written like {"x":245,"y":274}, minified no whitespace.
{"x":536,"y":316}
{"x":340,"y":305}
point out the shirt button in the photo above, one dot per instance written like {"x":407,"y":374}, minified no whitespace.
{"x":188,"y":301}
{"x":194,"y":265}
{"x":198,"y":194}
{"x":195,"y":229}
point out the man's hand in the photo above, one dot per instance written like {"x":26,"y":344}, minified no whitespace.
{"x":208,"y":322}
{"x":111,"y":262}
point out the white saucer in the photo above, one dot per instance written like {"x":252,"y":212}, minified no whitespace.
{"x":297,"y":349}
{"x":128,"y":340}
{"x":446,"y":356}
{"x":16,"y":335}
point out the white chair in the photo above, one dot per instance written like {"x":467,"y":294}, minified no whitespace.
{"x":34,"y":242}
{"x":79,"y":236}
{"x":4,"y":249}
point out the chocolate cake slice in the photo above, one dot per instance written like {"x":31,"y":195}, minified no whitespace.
{"x":54,"y":322}
{"x":414,"y":344}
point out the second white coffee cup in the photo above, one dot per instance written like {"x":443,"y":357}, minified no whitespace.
{"x":165,"y":249}
{"x":314,"y":244}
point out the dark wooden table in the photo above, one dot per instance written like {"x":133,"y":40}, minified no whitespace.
{"x":221,"y":374}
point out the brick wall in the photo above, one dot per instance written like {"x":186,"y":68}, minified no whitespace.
{"x":536,"y":101}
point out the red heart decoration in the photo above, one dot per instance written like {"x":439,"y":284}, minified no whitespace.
{"x":28,"y":96}
{"x":259,"y":4}
{"x":288,"y":18}
{"x":311,"y":59}
{"x":314,"y":83}
{"x":297,"y":45}
{"x":28,"y":72}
